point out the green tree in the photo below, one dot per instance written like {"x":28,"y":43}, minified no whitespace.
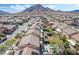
{"x":18,"y":35}
{"x":69,"y":51}
{"x":63,"y":38}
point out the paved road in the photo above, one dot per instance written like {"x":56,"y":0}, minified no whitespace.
{"x":18,"y":30}
{"x":21,"y":28}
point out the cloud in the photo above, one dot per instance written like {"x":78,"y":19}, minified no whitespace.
{"x":14,"y":7}
{"x":17,"y":8}
{"x":50,"y":6}
{"x":3,"y":7}
{"x":20,"y":7}
{"x":77,"y":5}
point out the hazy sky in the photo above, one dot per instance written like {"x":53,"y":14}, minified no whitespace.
{"x":20,"y":7}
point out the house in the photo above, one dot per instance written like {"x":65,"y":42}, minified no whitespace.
{"x":31,"y":40}
{"x":18,"y":21}
{"x":75,"y":21}
{"x":51,"y":23}
{"x":29,"y":45}
{"x":68,"y":22}
{"x":68,"y":32}
{"x":10,"y":28}
{"x":34,"y":31}
{"x":75,"y":36}
{"x":60,"y":27}
{"x":3,"y":20}
{"x":11,"y":20}
{"x":72,"y":42}
{"x":2,"y":28}
{"x":27,"y":51}
{"x":35,"y":26}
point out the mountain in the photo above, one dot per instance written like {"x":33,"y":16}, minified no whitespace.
{"x":3,"y":12}
{"x":37,"y":7}
{"x":75,"y":10}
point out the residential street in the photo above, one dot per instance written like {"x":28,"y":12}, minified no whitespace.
{"x":18,"y":30}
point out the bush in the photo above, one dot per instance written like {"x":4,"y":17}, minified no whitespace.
{"x":10,"y":42}
{"x":18,"y":35}
{"x":50,"y":34}
{"x":44,"y":29}
{"x":7,"y":44}
{"x":63,"y":39}
{"x":2,"y":49}
{"x":69,"y":51}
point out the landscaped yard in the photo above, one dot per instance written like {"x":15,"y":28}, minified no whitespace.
{"x":57,"y":41}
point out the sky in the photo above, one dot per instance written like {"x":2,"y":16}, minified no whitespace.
{"x":13,"y":8}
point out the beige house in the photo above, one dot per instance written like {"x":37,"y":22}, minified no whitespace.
{"x":75,"y":36}
{"x":34,"y":31}
{"x":30,"y":40}
{"x":68,"y":32}
{"x":30,"y":44}
{"x":27,"y":51}
{"x":61,"y":26}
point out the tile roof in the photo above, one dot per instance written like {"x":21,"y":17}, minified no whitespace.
{"x":28,"y":51}
{"x":34,"y":31}
{"x":69,"y":31}
{"x":31,"y":39}
{"x":61,"y":26}
{"x":75,"y":36}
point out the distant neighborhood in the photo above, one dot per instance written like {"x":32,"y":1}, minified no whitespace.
{"x":39,"y":31}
